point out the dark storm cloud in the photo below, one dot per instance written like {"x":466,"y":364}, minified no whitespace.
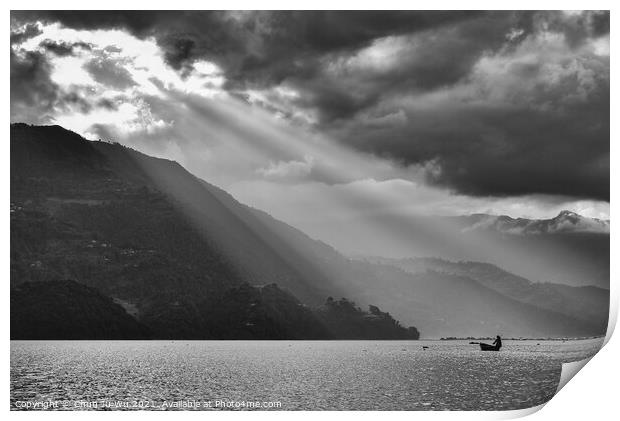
{"x":429,"y":60}
{"x":523,"y":125}
{"x":29,"y":31}
{"x":138,"y":22}
{"x":180,"y":53}
{"x":494,"y":151}
{"x":263,"y":49}
{"x":577,"y":28}
{"x":35,"y":96}
{"x":554,"y":141}
{"x":33,"y":93}
{"x":258,"y":47}
{"x":63,"y":49}
{"x":599,"y":22}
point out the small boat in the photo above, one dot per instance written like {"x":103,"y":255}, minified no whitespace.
{"x":487,"y":347}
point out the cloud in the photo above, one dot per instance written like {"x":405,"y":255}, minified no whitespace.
{"x":532,"y":118}
{"x":487,"y":103}
{"x":391,"y":216}
{"x":290,"y":171}
{"x":48,"y":78}
{"x":33,"y":93}
{"x":110,"y":72}
{"x":63,"y":49}
{"x":26,"y":32}
{"x":253,"y":48}
{"x":397,"y":196}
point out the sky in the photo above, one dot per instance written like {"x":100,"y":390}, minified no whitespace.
{"x":323,"y":117}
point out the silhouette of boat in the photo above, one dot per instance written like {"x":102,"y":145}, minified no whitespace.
{"x":487,"y":347}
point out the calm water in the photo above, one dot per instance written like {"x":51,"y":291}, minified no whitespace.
{"x":309,"y":375}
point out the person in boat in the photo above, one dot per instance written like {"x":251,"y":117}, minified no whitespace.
{"x":497,"y":343}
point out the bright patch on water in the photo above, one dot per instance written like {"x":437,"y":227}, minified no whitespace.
{"x":301,"y":375}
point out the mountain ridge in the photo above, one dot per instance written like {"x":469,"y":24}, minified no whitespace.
{"x":589,"y":304}
{"x":564,"y":222}
{"x":168,"y":245}
{"x":132,"y":230}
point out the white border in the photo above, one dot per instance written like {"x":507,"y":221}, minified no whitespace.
{"x":592,"y":394}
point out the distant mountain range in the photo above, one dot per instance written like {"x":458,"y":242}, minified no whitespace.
{"x":184,"y":259}
{"x":590,"y":305}
{"x":567,"y":249}
{"x":564,"y":222}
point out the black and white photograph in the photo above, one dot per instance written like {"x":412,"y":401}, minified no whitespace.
{"x":306,"y":210}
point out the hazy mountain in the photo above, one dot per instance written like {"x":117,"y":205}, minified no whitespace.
{"x":588,"y":304}
{"x":449,"y":303}
{"x":567,"y":249}
{"x":176,"y":252}
{"x":565,"y":222}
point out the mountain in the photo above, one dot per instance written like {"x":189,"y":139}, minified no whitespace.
{"x":567,"y":249}
{"x":587,"y":304}
{"x":565,"y":222}
{"x":445,"y":305}
{"x":268,"y":312}
{"x":187,"y":260}
{"x":68,"y":310}
{"x":344,"y":320}
{"x":169,"y":248}
{"x":98,"y":185}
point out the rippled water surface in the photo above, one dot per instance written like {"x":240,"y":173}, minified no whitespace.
{"x":309,"y":375}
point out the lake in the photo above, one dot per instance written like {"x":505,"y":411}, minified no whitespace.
{"x":288,"y":375}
